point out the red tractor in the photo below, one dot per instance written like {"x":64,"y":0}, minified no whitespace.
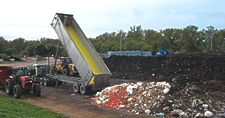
{"x":19,"y":81}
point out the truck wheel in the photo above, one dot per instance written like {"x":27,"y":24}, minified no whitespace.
{"x":85,"y":90}
{"x":66,"y":71}
{"x":76,"y":88}
{"x":41,"y":81}
{"x":36,"y":90}
{"x":17,"y":91}
{"x":9,"y":87}
{"x":46,"y":82}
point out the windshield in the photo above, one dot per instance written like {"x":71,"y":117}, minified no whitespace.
{"x":22,"y":72}
{"x":68,"y":61}
{"x":42,"y":67}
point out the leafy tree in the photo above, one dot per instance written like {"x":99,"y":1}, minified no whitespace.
{"x":40,"y":50}
{"x":190,"y":35}
{"x":19,"y":45}
{"x":3,"y":44}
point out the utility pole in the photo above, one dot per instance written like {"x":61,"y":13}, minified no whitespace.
{"x":211,"y":43}
{"x":121,"y":43}
{"x":121,"y":34}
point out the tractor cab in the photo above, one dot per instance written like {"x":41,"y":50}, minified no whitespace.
{"x":67,"y":67}
{"x":66,"y":62}
{"x":20,"y":76}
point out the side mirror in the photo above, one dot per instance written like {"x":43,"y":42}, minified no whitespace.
{"x":11,"y":77}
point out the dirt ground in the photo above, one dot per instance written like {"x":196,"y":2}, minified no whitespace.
{"x":62,"y":99}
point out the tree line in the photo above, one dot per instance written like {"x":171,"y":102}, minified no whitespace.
{"x":175,"y":40}
{"x":21,"y":47}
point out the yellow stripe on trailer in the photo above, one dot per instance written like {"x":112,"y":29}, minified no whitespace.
{"x":84,"y":52}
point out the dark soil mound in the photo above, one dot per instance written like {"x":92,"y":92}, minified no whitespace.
{"x":203,"y":69}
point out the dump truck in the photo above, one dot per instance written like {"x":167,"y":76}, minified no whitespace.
{"x":16,"y":80}
{"x":94,"y":74}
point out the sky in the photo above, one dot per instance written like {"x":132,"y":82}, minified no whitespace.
{"x":31,"y":20}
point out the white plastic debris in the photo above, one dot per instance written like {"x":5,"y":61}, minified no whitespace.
{"x":105,"y":101}
{"x":121,"y":106}
{"x":166,"y":108}
{"x":147,"y":111}
{"x":199,"y":115}
{"x":103,"y":97}
{"x":139,"y":83}
{"x":133,"y":110}
{"x":98,"y":94}
{"x":194,"y":103}
{"x":183,"y":115}
{"x":130,"y":99}
{"x":166,"y":90}
{"x":205,"y":106}
{"x":98,"y":102}
{"x":208,"y":114}
{"x":130,"y":89}
{"x":167,"y":85}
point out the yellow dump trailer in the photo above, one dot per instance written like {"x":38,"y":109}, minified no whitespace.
{"x":93,"y":71}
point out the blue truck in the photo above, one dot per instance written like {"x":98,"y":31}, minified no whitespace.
{"x":162,"y":52}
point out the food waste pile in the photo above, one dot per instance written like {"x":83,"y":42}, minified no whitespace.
{"x":153,"y":98}
{"x":174,"y":85}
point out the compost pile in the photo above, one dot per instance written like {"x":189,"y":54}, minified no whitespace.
{"x":152,"y":98}
{"x":191,"y":77}
{"x":203,"y":69}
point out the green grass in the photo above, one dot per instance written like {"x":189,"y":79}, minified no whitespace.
{"x":15,"y":108}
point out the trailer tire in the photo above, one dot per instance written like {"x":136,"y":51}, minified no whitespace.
{"x":66,"y":71}
{"x":36,"y":90}
{"x":76,"y":88}
{"x":85,"y":90}
{"x":17,"y":91}
{"x":41,"y":81}
{"x":9,"y":87}
{"x":46,"y":83}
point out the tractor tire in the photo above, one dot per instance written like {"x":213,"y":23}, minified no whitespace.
{"x":76,"y":88}
{"x":41,"y":81}
{"x":46,"y":83}
{"x":85,"y":90}
{"x":17,"y":91}
{"x":66,"y":71}
{"x":36,"y":90}
{"x":9,"y":87}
